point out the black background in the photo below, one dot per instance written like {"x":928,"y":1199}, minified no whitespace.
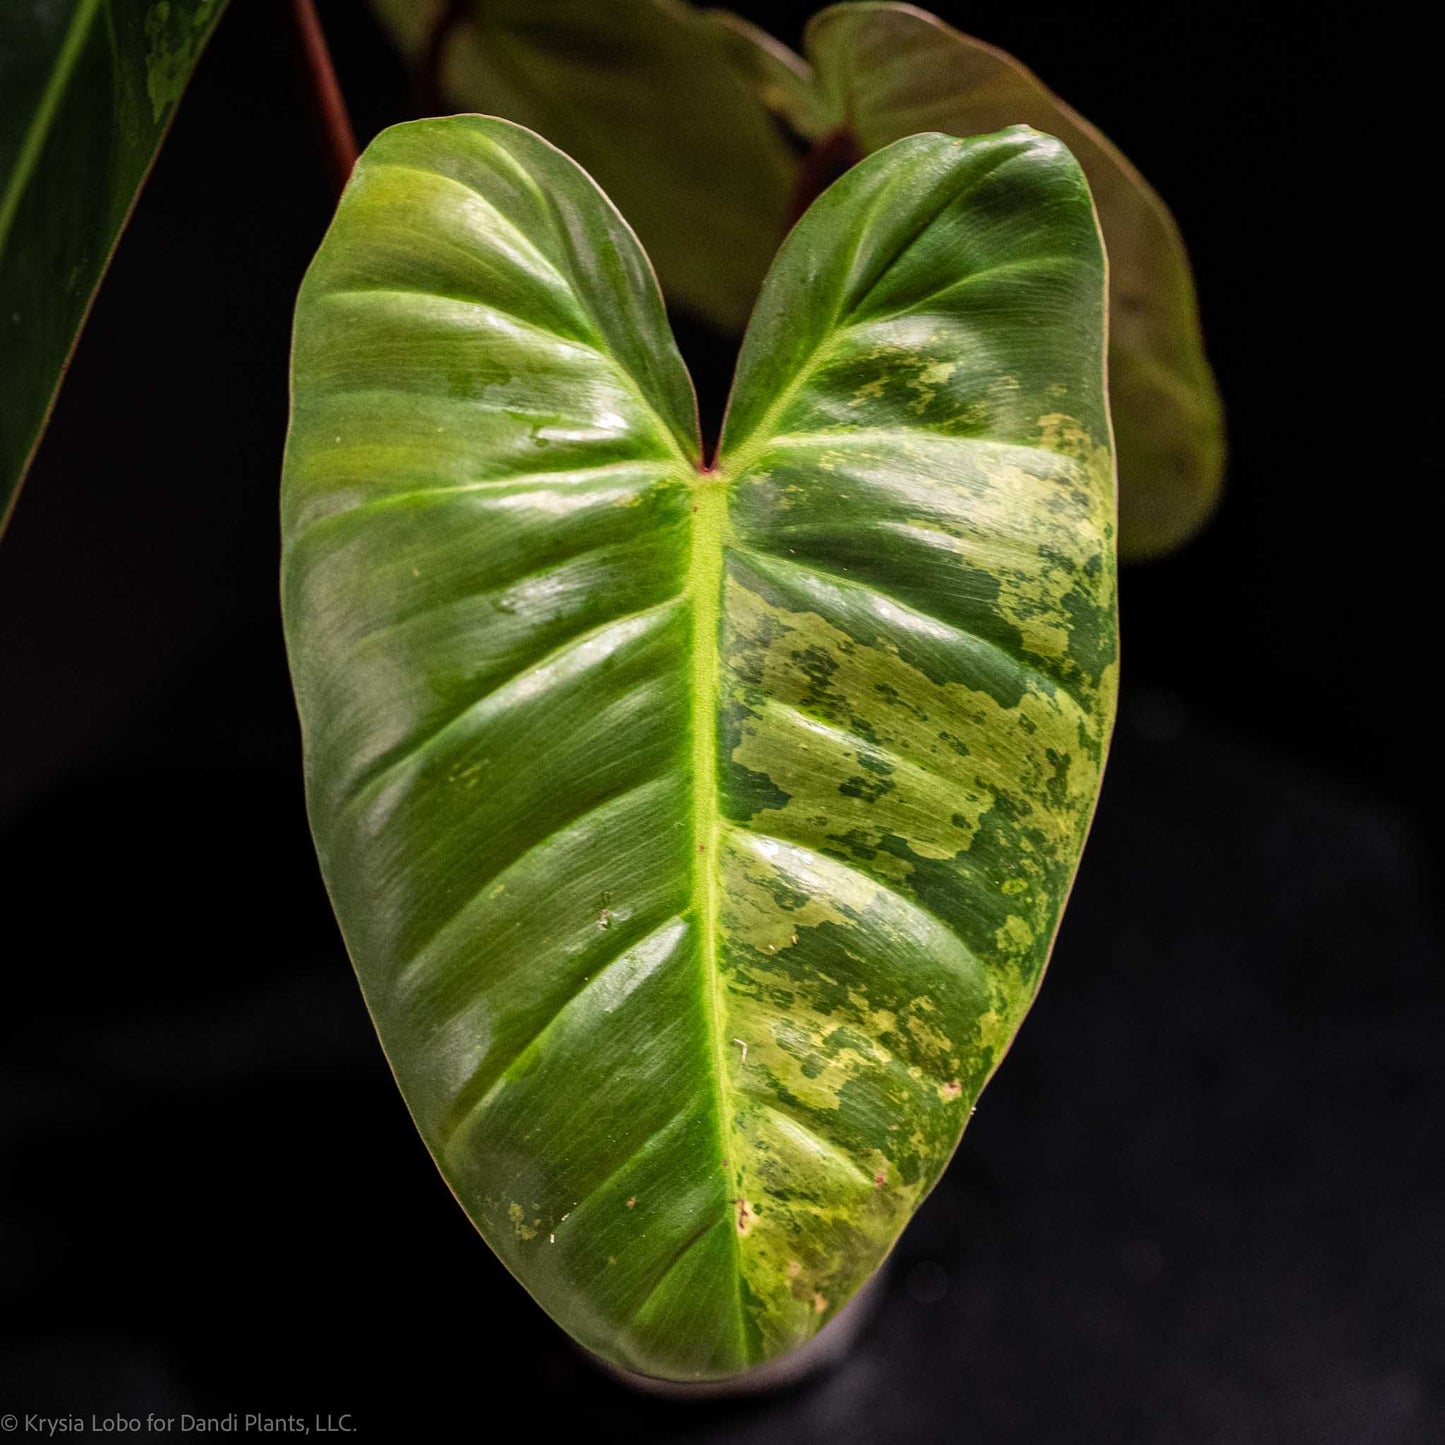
{"x":1204,"y":1199}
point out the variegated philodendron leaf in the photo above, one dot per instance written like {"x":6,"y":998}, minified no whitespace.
{"x":699,"y":833}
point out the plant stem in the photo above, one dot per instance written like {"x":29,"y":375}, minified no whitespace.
{"x":326,"y":95}
{"x":830,"y":156}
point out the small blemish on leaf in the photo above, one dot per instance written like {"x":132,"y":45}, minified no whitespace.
{"x":519,"y":1224}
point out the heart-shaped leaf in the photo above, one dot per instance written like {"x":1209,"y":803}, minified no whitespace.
{"x":87,"y":91}
{"x":699,"y":833}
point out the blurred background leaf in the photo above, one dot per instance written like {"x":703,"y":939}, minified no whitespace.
{"x":640,"y":93}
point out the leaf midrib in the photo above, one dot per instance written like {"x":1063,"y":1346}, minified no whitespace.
{"x":710,"y":531}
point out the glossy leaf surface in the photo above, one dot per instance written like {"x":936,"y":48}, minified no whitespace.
{"x":640,"y":93}
{"x":699,"y":835}
{"x":883,"y":71}
{"x":87,"y":89}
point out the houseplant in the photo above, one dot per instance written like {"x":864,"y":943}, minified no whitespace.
{"x":608,"y":918}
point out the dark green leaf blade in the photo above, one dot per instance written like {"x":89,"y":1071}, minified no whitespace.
{"x":87,"y":90}
{"x":641,"y":94}
{"x":552,"y":712}
{"x":486,"y":518}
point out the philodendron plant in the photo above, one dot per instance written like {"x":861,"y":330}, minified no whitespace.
{"x":699,"y":823}
{"x":699,"y":816}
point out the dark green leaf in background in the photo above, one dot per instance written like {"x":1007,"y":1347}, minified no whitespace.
{"x":781,"y":79}
{"x":699,"y":834}
{"x":648,"y":95}
{"x":640,"y":93}
{"x":87,"y":89}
